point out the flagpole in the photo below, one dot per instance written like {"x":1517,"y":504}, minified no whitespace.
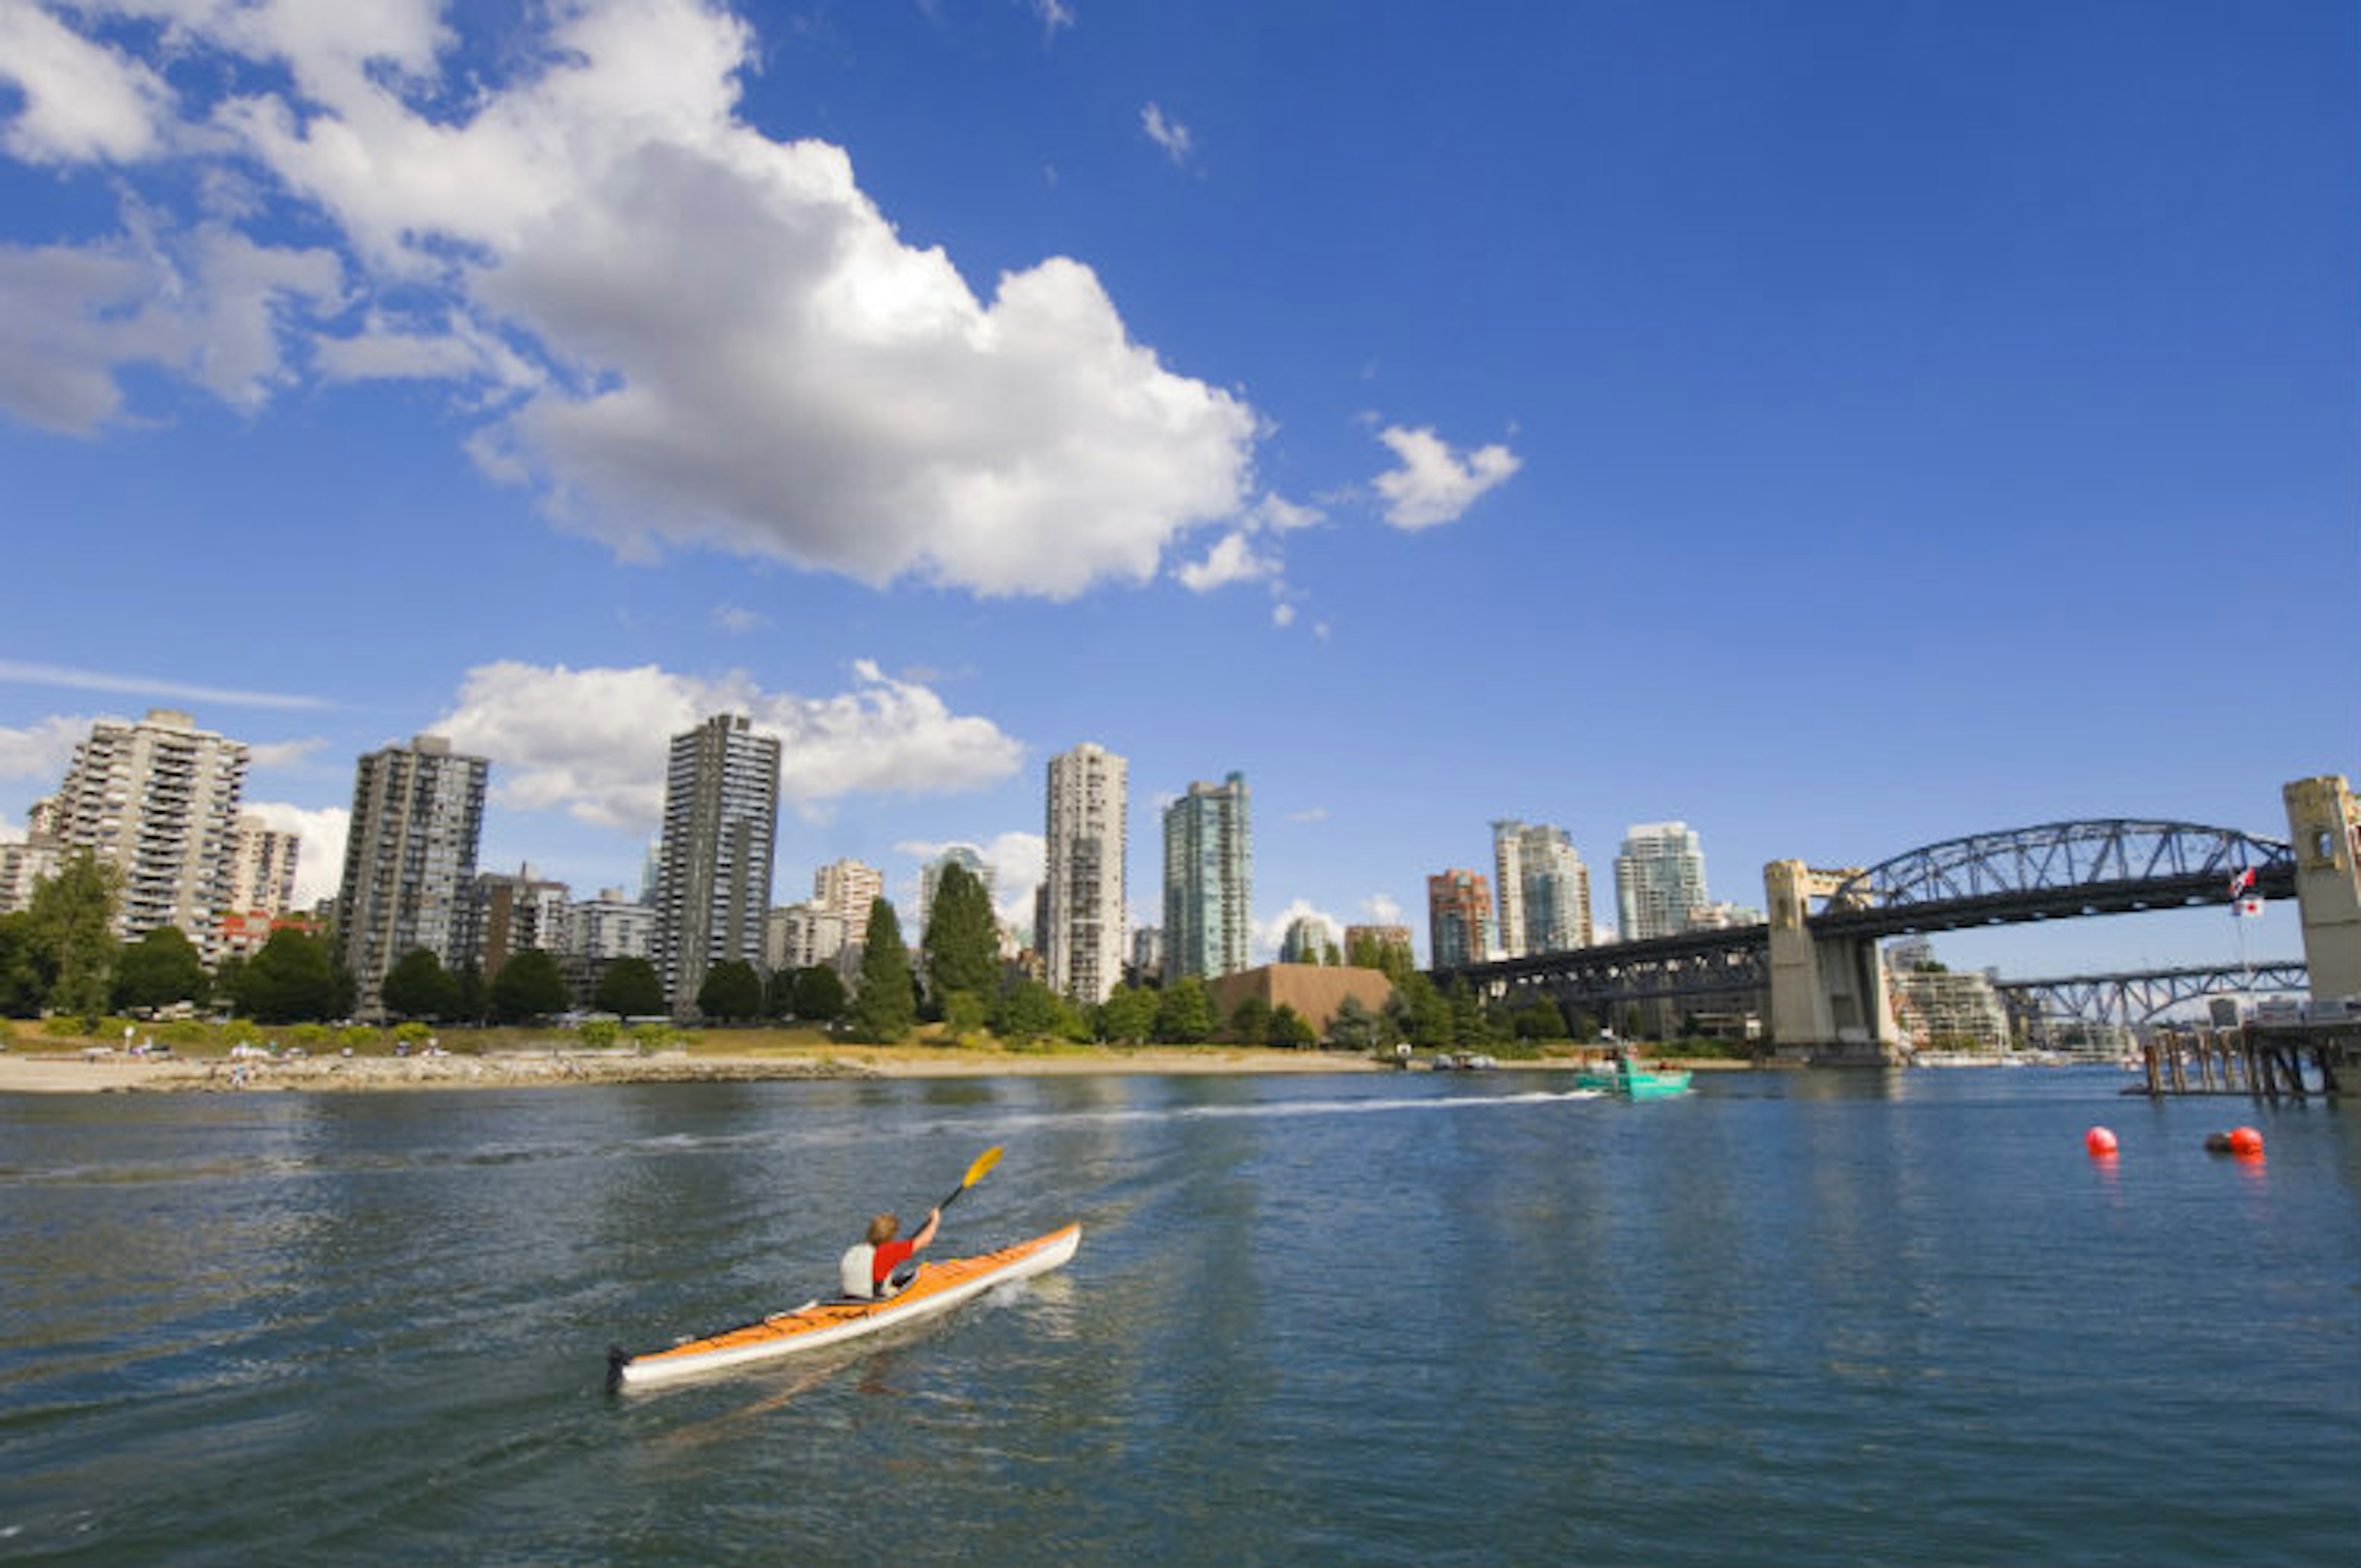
{"x":2239,"y":886}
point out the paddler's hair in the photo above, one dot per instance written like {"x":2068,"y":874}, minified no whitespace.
{"x":881,"y":1228}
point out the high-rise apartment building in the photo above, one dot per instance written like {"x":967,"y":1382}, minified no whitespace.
{"x":713,"y":873}
{"x":23,"y":867}
{"x":1080,"y":928}
{"x":262,"y":867}
{"x":845,"y":890}
{"x":1147,"y":955}
{"x":1458,"y":919}
{"x":612,"y":926}
{"x":1659,"y":878}
{"x":409,"y":860}
{"x":799,"y":936}
{"x":158,"y":800}
{"x":1208,"y":882}
{"x":1543,"y":889}
{"x":512,"y":913}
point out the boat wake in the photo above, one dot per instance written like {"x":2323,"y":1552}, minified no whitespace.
{"x":1273,"y":1109}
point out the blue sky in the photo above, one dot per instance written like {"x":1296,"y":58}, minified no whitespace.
{"x":1841,"y":426}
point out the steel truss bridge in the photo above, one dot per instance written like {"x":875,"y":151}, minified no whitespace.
{"x":2064,"y":869}
{"x":2131,"y":1000}
{"x":2058,"y":871}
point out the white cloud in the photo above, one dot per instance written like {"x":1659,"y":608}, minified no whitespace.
{"x":1434,"y":483}
{"x":81,"y":100}
{"x":283,"y":753}
{"x":320,"y":855}
{"x":1280,"y":515}
{"x":44,"y":750}
{"x":703,"y":337}
{"x":207,"y":304}
{"x":1282,"y":615}
{"x":1054,"y":14}
{"x":1167,"y":133}
{"x":1233,"y":559}
{"x":1381,"y":910}
{"x":592,"y":742}
{"x":146,"y":685}
{"x":738,"y":619}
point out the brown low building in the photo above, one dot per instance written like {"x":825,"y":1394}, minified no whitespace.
{"x":1314,"y":991}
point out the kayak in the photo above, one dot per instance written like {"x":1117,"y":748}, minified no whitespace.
{"x":937,"y":1288}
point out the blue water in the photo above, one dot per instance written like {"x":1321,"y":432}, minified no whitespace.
{"x":1791,"y":1318}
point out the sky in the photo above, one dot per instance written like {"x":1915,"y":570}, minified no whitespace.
{"x":1842,"y":426}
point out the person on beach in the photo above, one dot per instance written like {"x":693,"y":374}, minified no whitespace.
{"x":874,"y":1268}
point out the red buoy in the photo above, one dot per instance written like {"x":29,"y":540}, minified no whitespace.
{"x":2245,"y":1141}
{"x":2100,"y":1141}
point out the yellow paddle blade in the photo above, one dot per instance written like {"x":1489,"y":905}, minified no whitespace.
{"x":983,"y":1162}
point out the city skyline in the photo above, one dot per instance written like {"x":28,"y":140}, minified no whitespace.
{"x":1844,"y":432}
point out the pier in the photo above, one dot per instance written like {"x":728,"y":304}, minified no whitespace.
{"x":2266,"y":1062}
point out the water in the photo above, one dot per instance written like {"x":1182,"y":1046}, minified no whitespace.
{"x":1790,"y":1318}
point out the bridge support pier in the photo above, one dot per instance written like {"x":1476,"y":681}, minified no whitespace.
{"x":1828,"y":1001}
{"x":2324,"y":829}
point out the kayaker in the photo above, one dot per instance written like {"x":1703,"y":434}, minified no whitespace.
{"x":869,"y":1268}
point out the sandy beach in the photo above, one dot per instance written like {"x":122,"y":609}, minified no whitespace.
{"x":98,"y":1071}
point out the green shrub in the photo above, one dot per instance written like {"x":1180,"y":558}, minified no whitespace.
{"x":600,"y":1032}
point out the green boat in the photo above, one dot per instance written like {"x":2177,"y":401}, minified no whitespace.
{"x":1620,"y":1079}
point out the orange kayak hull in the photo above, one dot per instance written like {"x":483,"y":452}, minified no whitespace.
{"x":938,"y":1287}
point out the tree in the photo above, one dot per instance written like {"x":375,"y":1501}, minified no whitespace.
{"x":629,"y":987}
{"x":158,"y":969}
{"x":885,"y":1005}
{"x":962,"y":941}
{"x":1418,"y":1012}
{"x":1390,"y":959}
{"x":1290,"y":1030}
{"x":1184,"y":1012}
{"x":418,"y":986}
{"x":964,"y":1011}
{"x":1354,"y":1027}
{"x":24,"y":978}
{"x":530,"y":985}
{"x":73,"y":932}
{"x":731,"y":989}
{"x":819,"y":995}
{"x":1249,"y":1022}
{"x":473,"y":1002}
{"x":293,"y":977}
{"x":1128,"y":1016}
{"x":1027,"y":1010}
{"x":1541,"y":1020}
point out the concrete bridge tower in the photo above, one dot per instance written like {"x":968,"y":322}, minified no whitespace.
{"x":2324,"y":828}
{"x":1828,"y":999}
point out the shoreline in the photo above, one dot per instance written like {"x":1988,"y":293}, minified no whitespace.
{"x":102,"y":1072}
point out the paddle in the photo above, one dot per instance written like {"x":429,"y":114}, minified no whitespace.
{"x":983,"y":1162}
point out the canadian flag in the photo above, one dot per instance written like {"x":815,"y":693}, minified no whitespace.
{"x":2250,"y":906}
{"x":2241,"y":880}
